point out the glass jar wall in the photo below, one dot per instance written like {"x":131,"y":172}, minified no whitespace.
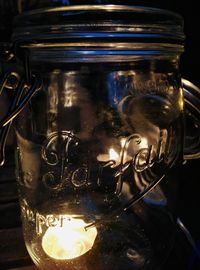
{"x":100,"y":144}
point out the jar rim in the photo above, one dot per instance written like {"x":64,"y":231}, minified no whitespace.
{"x":105,"y":7}
{"x":100,"y":24}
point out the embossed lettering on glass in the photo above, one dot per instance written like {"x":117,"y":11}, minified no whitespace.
{"x":101,"y":141}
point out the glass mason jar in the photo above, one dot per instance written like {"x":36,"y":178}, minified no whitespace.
{"x":100,"y":143}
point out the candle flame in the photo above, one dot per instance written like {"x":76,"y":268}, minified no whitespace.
{"x":113,"y":155}
{"x":69,"y":241}
{"x":144,"y":143}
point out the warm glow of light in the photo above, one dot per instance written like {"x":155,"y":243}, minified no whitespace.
{"x":113,"y":155}
{"x":143,"y":143}
{"x":70,"y":96}
{"x":112,"y":158}
{"x":123,"y":142}
{"x":69,"y":241}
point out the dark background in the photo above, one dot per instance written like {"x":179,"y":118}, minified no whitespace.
{"x":190,"y":69}
{"x":190,"y":60}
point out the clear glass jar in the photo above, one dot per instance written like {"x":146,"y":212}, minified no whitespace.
{"x":100,"y":145}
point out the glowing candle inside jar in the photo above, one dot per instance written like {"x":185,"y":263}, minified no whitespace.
{"x":69,"y":241}
{"x":114,"y":155}
{"x":112,"y":158}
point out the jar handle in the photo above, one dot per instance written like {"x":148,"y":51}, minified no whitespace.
{"x":22,"y":95}
{"x":191,"y":93}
